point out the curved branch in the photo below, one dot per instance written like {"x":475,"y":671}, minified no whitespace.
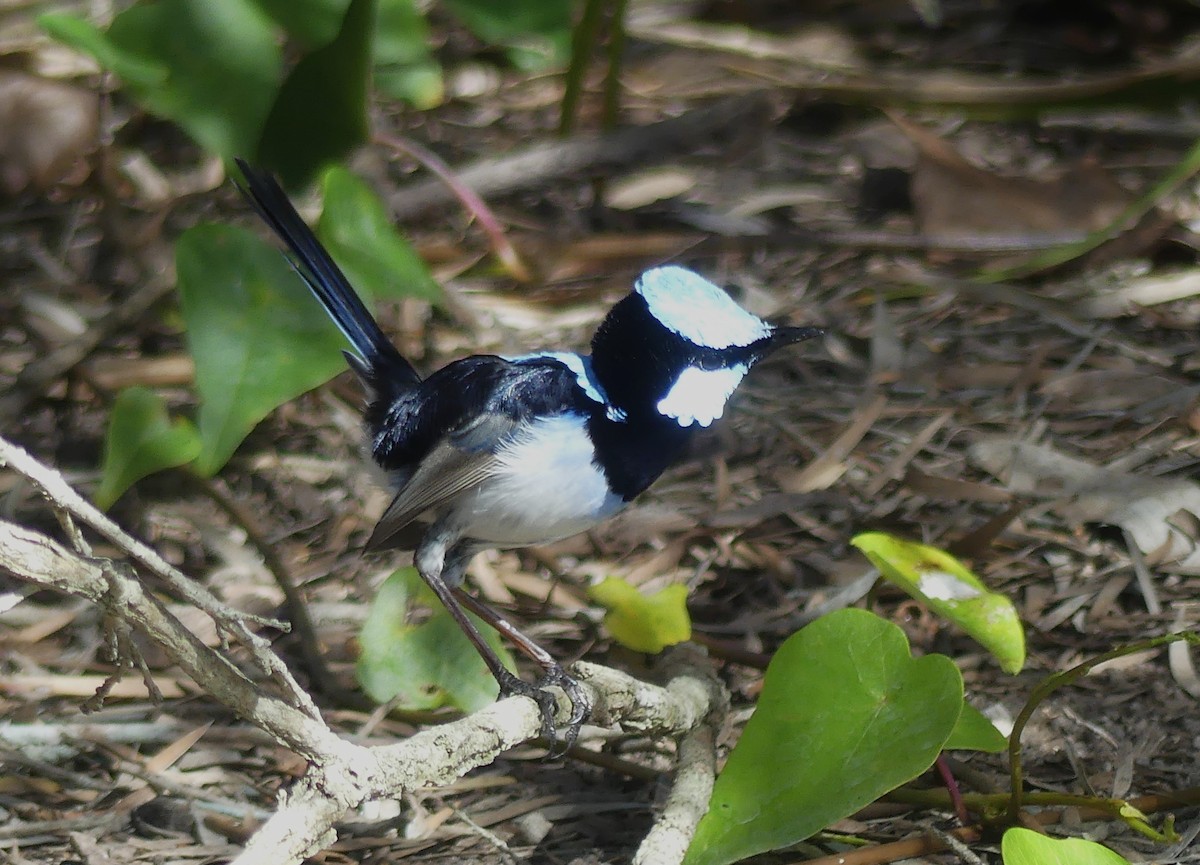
{"x":343,"y":775}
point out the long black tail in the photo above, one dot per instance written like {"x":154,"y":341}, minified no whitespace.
{"x":378,"y":362}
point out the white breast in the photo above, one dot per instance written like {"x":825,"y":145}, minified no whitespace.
{"x":545,"y":488}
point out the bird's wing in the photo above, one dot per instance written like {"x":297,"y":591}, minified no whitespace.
{"x":461,"y":461}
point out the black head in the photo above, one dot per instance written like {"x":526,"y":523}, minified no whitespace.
{"x":678,"y":346}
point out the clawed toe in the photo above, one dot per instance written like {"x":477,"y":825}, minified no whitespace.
{"x":581,"y":705}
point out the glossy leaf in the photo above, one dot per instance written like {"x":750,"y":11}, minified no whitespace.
{"x":212,"y":66}
{"x":949,"y":588}
{"x":424,"y":665}
{"x":846,"y":714}
{"x":644,"y":623}
{"x":974,"y":732}
{"x":320,"y":113}
{"x":257,"y":336}
{"x":1026,"y":847}
{"x":141,"y":440}
{"x":354,"y":226}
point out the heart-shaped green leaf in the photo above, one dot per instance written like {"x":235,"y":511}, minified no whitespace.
{"x":947,"y":586}
{"x":354,"y":226}
{"x":142,"y":439}
{"x":974,"y":732}
{"x":427,"y":665}
{"x":846,"y":714}
{"x":1026,"y":847}
{"x":212,"y":66}
{"x":644,"y":623}
{"x":257,"y":335}
{"x":320,"y":112}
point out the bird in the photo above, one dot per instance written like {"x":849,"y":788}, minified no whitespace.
{"x":500,"y":452}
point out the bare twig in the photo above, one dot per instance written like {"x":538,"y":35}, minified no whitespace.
{"x":672,"y":833}
{"x":545,"y":163}
{"x":228,"y":620}
{"x":297,"y":609}
{"x":469,"y":198}
{"x":343,"y":775}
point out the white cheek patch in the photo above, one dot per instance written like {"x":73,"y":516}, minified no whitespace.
{"x":694,"y":308}
{"x":699,"y":395}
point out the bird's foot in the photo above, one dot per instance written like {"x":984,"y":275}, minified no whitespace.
{"x":581,"y":704}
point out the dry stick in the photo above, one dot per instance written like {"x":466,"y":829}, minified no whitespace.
{"x":342,"y":775}
{"x":297,"y":609}
{"x":540,"y":164}
{"x":443,"y":754}
{"x":228,"y":620}
{"x":474,"y":204}
{"x":668,"y":840}
{"x":36,"y":558}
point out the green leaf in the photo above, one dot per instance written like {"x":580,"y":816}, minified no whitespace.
{"x":212,"y":66}
{"x":1026,"y":847}
{"x":644,"y":623}
{"x":404,"y":65}
{"x":846,"y":714}
{"x":354,"y":226}
{"x":948,"y":587}
{"x":257,"y":336}
{"x":974,"y":732}
{"x":321,"y":111}
{"x":536,"y":32}
{"x":427,"y":665}
{"x":142,"y":439}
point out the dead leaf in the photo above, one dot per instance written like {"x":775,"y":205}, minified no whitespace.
{"x":46,"y":127}
{"x":647,"y":187}
{"x":1132,"y":295}
{"x":953,"y":198}
{"x":1160,"y":514}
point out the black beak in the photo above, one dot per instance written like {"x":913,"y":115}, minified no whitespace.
{"x":779,"y":337}
{"x":782,"y":336}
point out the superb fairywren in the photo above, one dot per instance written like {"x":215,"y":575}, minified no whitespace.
{"x":491,"y":452}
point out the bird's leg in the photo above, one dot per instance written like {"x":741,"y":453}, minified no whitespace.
{"x":441,"y":560}
{"x":553,"y":673}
